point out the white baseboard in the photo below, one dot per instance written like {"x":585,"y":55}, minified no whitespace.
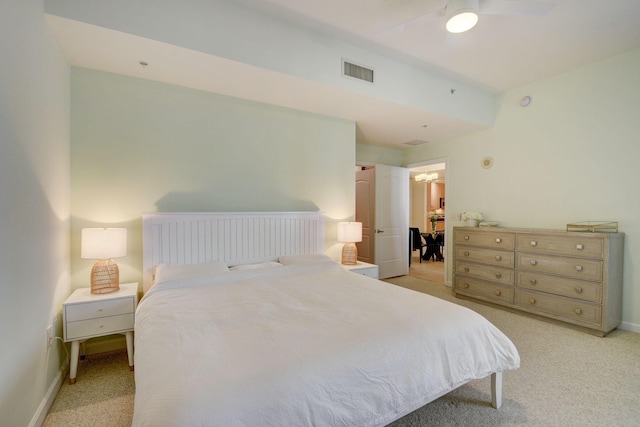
{"x":49,"y":397}
{"x":631,"y":327}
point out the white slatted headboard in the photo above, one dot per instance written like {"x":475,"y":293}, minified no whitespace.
{"x":236,"y":238}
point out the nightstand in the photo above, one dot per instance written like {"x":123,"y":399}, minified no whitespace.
{"x":363,"y":268}
{"x":86,"y":315}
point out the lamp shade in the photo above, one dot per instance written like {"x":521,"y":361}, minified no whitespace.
{"x":103,"y":243}
{"x":350,"y":232}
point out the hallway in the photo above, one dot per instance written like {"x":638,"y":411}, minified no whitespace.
{"x":432,"y":271}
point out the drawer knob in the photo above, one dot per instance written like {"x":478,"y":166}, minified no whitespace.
{"x":534,"y":243}
{"x":579,"y":247}
{"x":498,"y":258}
{"x":533,"y":281}
{"x":534,"y":262}
{"x":578,"y":268}
{"x":578,"y":290}
{"x":465,"y":285}
{"x":577,"y":310}
{"x":466,"y":253}
{"x":532,"y":300}
{"x":466,"y":269}
{"x":466,"y":237}
{"x":99,"y":309}
{"x":498,"y":275}
{"x":498,"y":240}
{"x":101,"y":326}
{"x":498,"y":293}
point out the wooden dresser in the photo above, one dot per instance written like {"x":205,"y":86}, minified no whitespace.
{"x":572,"y":277}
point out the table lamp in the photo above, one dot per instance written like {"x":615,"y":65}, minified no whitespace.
{"x":104,"y":244}
{"x":349,"y":233}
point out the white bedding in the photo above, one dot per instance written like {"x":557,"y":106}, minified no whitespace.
{"x":306,"y":344}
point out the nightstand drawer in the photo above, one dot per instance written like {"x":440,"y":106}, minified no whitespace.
{"x":371,"y":271}
{"x":91,"y":310}
{"x":100,"y":326}
{"x":363,"y":268}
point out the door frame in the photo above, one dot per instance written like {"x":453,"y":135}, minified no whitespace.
{"x":447,"y":217}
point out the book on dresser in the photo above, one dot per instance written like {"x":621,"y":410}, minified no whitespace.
{"x":572,"y":277}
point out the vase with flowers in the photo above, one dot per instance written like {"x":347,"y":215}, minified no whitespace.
{"x":433,"y":217}
{"x":472,"y":218}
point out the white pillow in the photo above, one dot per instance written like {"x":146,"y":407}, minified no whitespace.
{"x":179,"y":271}
{"x":256,"y":266}
{"x":303,"y":259}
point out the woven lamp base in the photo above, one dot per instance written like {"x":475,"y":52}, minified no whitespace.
{"x":349,"y":254}
{"x":105,"y":277}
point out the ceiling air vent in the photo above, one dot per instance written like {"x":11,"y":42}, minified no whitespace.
{"x":349,"y":69}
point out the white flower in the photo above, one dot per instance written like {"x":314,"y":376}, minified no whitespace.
{"x":472,"y":215}
{"x":433,"y":216}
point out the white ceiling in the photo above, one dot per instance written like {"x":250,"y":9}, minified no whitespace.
{"x":501,"y":53}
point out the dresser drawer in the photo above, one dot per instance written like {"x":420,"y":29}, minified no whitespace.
{"x":584,"y":290}
{"x":487,"y":291}
{"x":100,"y":326}
{"x":489,"y":239}
{"x":556,"y":306}
{"x":573,"y":267}
{"x":485,"y":256}
{"x":90,"y":310}
{"x":567,"y":244}
{"x":490,"y":273}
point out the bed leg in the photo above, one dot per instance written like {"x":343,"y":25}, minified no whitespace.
{"x":496,"y":390}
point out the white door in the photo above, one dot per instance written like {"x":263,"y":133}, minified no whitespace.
{"x":392,"y":221}
{"x":365,"y":213}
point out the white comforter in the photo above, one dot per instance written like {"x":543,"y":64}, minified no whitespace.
{"x":302,"y":345}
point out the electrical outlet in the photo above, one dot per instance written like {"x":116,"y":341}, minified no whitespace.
{"x":50,"y":335}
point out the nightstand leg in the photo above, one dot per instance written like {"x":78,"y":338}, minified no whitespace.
{"x":129,"y":338}
{"x":73,"y":368}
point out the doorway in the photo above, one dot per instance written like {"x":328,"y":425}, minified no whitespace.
{"x":382,"y":206}
{"x":427,"y":201}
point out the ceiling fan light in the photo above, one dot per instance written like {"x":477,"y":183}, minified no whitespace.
{"x":462,"y":15}
{"x":462,"y":22}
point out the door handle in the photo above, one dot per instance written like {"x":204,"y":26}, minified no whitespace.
{"x":378,"y":231}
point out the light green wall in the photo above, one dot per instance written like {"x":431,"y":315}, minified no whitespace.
{"x":367,"y":155}
{"x":572,"y":155}
{"x":34,"y":208}
{"x":141,"y":146}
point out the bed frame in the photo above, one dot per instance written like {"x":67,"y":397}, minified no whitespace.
{"x":238,"y":238}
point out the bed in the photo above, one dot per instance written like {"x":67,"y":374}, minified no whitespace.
{"x":245,"y":321}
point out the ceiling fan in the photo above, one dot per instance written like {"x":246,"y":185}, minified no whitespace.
{"x":462,"y":15}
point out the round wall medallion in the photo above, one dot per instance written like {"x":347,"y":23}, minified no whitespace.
{"x":525,"y":101}
{"x":487,"y":162}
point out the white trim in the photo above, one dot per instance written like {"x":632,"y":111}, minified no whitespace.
{"x":631,"y":327}
{"x":49,"y":397}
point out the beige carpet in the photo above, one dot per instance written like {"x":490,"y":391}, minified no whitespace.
{"x":567,"y":378}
